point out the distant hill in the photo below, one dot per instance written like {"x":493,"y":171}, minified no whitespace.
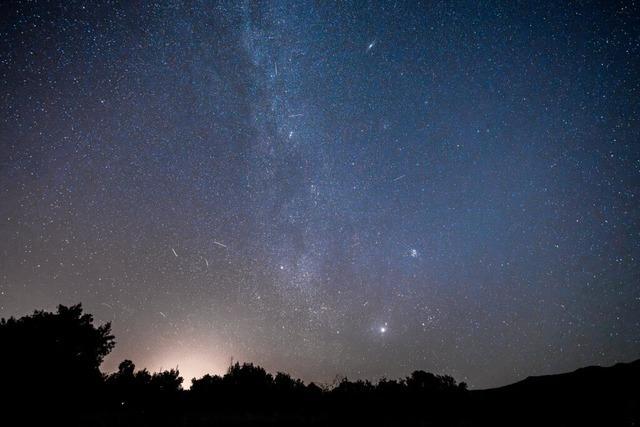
{"x":591,"y":379}
{"x":593,"y":395}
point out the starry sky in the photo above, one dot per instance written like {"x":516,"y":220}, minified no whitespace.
{"x":328,"y":188}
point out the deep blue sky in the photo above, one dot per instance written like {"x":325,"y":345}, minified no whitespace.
{"x":353,"y":188}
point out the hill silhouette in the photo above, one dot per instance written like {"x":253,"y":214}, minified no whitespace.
{"x":51,"y":375}
{"x":592,"y":395}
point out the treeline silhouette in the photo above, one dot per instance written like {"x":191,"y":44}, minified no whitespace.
{"x":51,"y":373}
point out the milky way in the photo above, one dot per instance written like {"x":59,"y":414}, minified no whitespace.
{"x":358,"y":189}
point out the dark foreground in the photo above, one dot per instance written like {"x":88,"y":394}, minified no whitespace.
{"x":592,"y":396}
{"x":51,"y":376}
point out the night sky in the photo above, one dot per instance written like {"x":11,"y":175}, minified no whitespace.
{"x":353,"y":188}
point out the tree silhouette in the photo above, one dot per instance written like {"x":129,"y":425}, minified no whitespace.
{"x":166,"y":381}
{"x":426,"y":382}
{"x":127,"y":388}
{"x":206,"y":384}
{"x":248,"y":377}
{"x":53,"y":358}
{"x":285,"y":384}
